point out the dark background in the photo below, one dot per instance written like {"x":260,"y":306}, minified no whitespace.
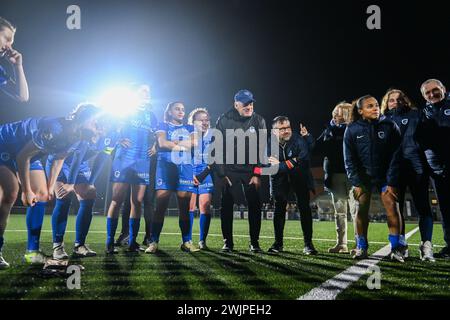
{"x":298,"y":57}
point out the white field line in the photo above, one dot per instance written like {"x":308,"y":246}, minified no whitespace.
{"x":330,"y":289}
{"x":235,"y":235}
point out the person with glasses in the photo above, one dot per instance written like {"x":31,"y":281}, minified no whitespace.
{"x":294,"y":174}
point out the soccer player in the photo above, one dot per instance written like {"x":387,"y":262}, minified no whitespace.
{"x":293,"y":174}
{"x":173,"y":173}
{"x":199,"y":117}
{"x":330,"y":145}
{"x":130,"y":167}
{"x":434,"y":127}
{"x":372,"y":157}
{"x":414,"y":172}
{"x":18,"y":87}
{"x":22,"y":143}
{"x":77,"y":176}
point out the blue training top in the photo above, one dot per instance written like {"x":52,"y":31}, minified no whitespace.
{"x":139,"y":128}
{"x":173,"y":133}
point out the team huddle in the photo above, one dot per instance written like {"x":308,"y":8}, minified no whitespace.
{"x":366,"y":149}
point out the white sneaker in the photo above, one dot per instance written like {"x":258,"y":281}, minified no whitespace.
{"x":83,"y":251}
{"x":426,"y":251}
{"x":35,"y":257}
{"x":189,"y":247}
{"x":59,"y":253}
{"x":152,"y":247}
{"x":202,"y":245}
{"x":3,"y":263}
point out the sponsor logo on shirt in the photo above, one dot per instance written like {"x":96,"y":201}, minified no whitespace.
{"x":5,"y":156}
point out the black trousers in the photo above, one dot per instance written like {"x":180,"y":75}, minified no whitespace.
{"x":280,"y":193}
{"x":442,"y":188}
{"x":240,"y":182}
{"x":418,"y":186}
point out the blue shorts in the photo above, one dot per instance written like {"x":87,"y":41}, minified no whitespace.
{"x":174,"y":177}
{"x":131,"y":171}
{"x":7,"y":161}
{"x":83,"y":176}
{"x":207,"y":185}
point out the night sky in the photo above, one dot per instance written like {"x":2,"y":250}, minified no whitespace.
{"x":298,"y":57}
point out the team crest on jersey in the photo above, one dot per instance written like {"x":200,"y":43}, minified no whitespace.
{"x":405,"y":121}
{"x":47,"y":136}
{"x":252,"y":129}
{"x":159,"y":182}
{"x":447,"y":112}
{"x":117,"y":174}
{"x":5,"y":156}
{"x":290,"y":153}
{"x":381,"y":134}
{"x":107,"y":141}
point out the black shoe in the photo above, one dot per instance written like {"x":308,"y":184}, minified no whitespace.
{"x":444,"y":253}
{"x":146,"y":242}
{"x":227,"y":248}
{"x":309,"y":249}
{"x":276,"y":248}
{"x":133,"y":248}
{"x":110,"y":249}
{"x":255,"y":248}
{"x":122,"y":240}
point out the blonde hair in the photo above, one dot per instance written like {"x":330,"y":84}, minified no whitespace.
{"x":346,"y":108}
{"x":193,"y":114}
{"x":438,"y":82}
{"x":6,"y":24}
{"x":384,"y":102}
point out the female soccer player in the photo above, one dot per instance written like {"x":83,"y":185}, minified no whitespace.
{"x":22,"y":143}
{"x":77,"y":176}
{"x":372,"y":161}
{"x":200,"y":119}
{"x":131,"y":167}
{"x":173,"y":173}
{"x":414,"y":171}
{"x":18,"y":87}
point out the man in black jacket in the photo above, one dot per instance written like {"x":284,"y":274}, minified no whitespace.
{"x":241,"y":129}
{"x":293,"y":174}
{"x":431,"y":134}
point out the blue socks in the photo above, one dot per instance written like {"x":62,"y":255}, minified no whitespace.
{"x":34,"y":219}
{"x":134,"y":229}
{"x":1,"y":243}
{"x":402,"y":240}
{"x":59,"y":219}
{"x":191,"y":221}
{"x":394,"y":239}
{"x":426,"y":227}
{"x":205,"y":220}
{"x":83,"y":222}
{"x":184,"y":227}
{"x":361,"y":242}
{"x":111,"y":227}
{"x":156,"y":231}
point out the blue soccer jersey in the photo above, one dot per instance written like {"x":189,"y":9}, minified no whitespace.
{"x":174,"y":169}
{"x":132,"y":165}
{"x":200,"y":161}
{"x":76,"y":168}
{"x":50,"y":135}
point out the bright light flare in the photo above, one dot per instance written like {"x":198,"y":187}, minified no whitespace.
{"x":120,"y":101}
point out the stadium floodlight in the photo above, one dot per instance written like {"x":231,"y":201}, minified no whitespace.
{"x":120,"y":101}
